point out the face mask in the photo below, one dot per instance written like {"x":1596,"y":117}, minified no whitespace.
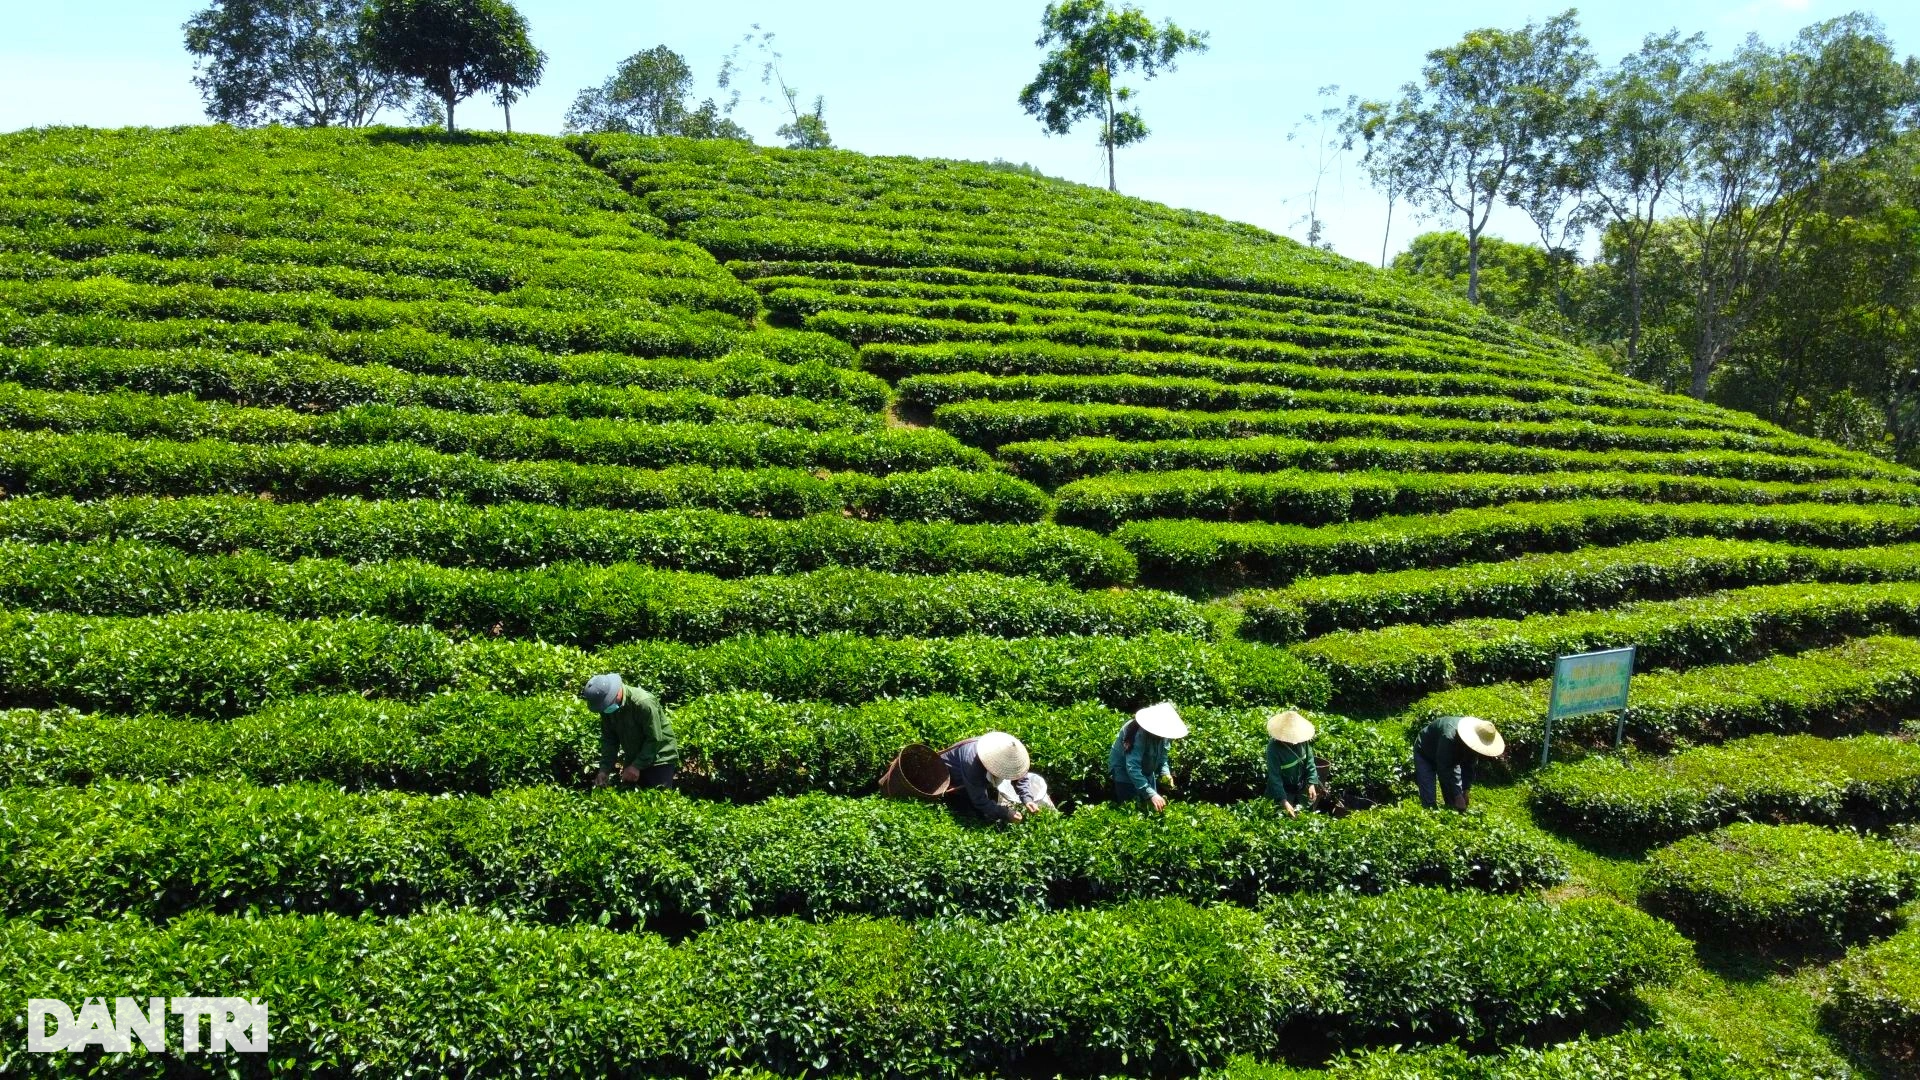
{"x":611,"y":709}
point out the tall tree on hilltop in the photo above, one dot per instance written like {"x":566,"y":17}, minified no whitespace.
{"x":1482,"y":124}
{"x":807,"y":130}
{"x":1094,"y":43}
{"x":648,"y":95}
{"x":1767,"y":128}
{"x":1632,"y":153}
{"x":299,"y":62}
{"x":455,"y":48}
{"x":515,"y":69}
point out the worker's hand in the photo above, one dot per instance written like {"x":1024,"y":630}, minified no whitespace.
{"x":1287,"y":808}
{"x":1166,"y":781}
{"x":1459,"y":802}
{"x":599,"y":778}
{"x":1313,"y":793}
{"x":629,"y":775}
{"x":1015,"y":815}
{"x":1032,"y":808}
{"x":1159,"y":802}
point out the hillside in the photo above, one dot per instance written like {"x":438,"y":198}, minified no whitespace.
{"x":334,"y":462}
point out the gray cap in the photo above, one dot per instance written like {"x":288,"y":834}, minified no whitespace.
{"x":601,"y":691}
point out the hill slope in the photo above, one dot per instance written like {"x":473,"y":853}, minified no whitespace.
{"x":334,"y":463}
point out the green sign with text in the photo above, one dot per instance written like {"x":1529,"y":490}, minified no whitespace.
{"x":1590,"y":683}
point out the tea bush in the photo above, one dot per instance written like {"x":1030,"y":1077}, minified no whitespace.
{"x":1783,"y":883}
{"x":1874,"y":1001}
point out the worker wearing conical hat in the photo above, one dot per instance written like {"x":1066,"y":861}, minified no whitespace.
{"x":1293,"y":777}
{"x":1444,"y":753}
{"x":1138,"y":761}
{"x":991,"y":778}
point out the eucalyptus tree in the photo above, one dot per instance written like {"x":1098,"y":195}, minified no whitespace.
{"x":1093,"y":43}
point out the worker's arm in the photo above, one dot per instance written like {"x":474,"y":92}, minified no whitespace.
{"x":644,"y":731}
{"x":1276,"y":781}
{"x":980,"y":794}
{"x":609,"y":743}
{"x":1447,"y":763}
{"x":1024,"y":788}
{"x":1313,"y":767}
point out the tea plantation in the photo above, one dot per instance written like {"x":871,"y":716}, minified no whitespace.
{"x":335,"y":463}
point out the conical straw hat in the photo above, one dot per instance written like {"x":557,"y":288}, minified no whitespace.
{"x":1003,"y":755}
{"x":1482,"y":737}
{"x":1162,"y":720}
{"x":1290,"y":726}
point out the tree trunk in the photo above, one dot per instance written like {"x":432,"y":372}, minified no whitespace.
{"x":1634,"y":292}
{"x":449,"y":114}
{"x":1473,"y":267}
{"x":507,"y":108}
{"x":1385,"y":237}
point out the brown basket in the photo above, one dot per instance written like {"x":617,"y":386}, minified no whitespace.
{"x":916,"y":773}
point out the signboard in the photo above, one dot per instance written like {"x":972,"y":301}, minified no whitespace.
{"x":1589,"y":683}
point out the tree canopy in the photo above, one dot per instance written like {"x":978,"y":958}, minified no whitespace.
{"x":1092,"y":43}
{"x":650,"y":93}
{"x":300,"y":62}
{"x":455,"y":48}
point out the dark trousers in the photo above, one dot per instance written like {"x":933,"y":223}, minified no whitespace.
{"x":660,"y":776}
{"x":1427,"y":777}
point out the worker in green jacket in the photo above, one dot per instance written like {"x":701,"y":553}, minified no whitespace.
{"x":634,"y":727}
{"x":1444,"y":753}
{"x":1293,"y":777}
{"x":1138,"y":760}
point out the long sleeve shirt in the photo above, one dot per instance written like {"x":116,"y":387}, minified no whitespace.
{"x":1137,"y":768}
{"x":1291,"y":770}
{"x":638,"y":732}
{"x":1439,"y":742}
{"x":976,"y":786}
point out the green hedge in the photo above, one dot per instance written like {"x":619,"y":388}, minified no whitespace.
{"x":91,"y":466}
{"x":1159,"y":987}
{"x":1652,"y":1054}
{"x":1552,"y":582}
{"x":1058,"y":462}
{"x":663,"y":861}
{"x":1865,"y":780}
{"x":997,"y":423}
{"x":1201,"y":554}
{"x":1406,"y":659}
{"x":1873,"y":1002}
{"x":493,"y":438}
{"x":1174,"y":392}
{"x":224,"y":664}
{"x":810,"y":396}
{"x":735,"y":745}
{"x":1783,"y":883}
{"x":1330,"y":488}
{"x":520,"y":536}
{"x":1868,"y":683}
{"x":573,"y":603}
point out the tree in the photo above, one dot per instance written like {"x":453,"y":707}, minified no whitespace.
{"x":297,"y":62}
{"x":516,"y":68}
{"x":1767,"y":128}
{"x":455,"y":48}
{"x":1632,"y":152}
{"x":648,"y":95}
{"x":1480,"y":125}
{"x":806,"y":130}
{"x":1094,"y":43}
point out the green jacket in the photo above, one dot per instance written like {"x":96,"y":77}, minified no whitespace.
{"x":1290,"y":771}
{"x":1137,"y":762}
{"x":639,"y":732}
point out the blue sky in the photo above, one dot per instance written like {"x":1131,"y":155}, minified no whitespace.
{"x":941,"y":80}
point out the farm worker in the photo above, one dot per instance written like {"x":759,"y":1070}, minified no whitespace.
{"x":1138,"y":760}
{"x":1293,"y":777}
{"x":1446,"y":750}
{"x":633,"y":725}
{"x":991,"y":778}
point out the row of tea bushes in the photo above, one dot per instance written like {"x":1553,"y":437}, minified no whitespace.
{"x":1374,"y":478}
{"x":1161,"y":987}
{"x":1800,"y":885}
{"x":510,"y":536}
{"x":1055,"y":462}
{"x":1557,"y":581}
{"x":1873,"y":1002}
{"x":92,"y":466}
{"x":1203,"y":553}
{"x":228,"y":663}
{"x":737,"y":745}
{"x":1864,"y":780}
{"x":662,"y":861}
{"x":1689,"y":632}
{"x":573,"y":603}
{"x":812,"y":396}
{"x":1861,"y":684}
{"x":1648,"y":1054}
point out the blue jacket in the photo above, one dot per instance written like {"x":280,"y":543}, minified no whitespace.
{"x":972,"y":783}
{"x":1137,"y":762}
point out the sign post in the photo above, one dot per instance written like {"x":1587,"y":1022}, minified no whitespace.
{"x":1589,"y":683}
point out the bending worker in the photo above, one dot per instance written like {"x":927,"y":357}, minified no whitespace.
{"x":1293,"y":777}
{"x":633,"y":725}
{"x":1446,"y":750}
{"x":1138,"y":760}
{"x":992,"y":779}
